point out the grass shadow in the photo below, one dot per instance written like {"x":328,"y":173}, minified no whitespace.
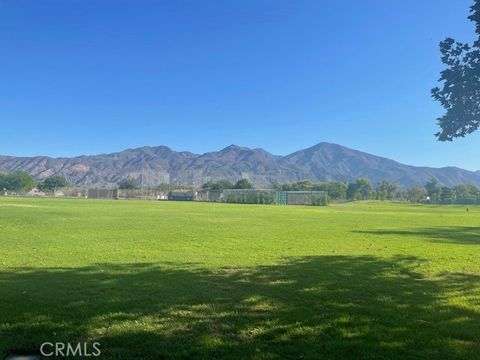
{"x":466,"y":235}
{"x":342,"y":307}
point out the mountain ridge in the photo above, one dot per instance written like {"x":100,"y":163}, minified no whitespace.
{"x":155,"y":164}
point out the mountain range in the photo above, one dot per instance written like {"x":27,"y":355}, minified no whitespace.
{"x":161,"y":164}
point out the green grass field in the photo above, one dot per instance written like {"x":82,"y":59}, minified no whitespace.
{"x":153,"y":280}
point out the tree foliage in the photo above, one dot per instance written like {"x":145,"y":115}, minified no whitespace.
{"x":416,"y":194}
{"x":385,"y":190}
{"x":459,"y":94}
{"x":243,"y":184}
{"x":128,"y":184}
{"x":359,"y":190}
{"x":218,"y":185}
{"x":53,"y":183}
{"x":225,"y":184}
{"x":17,"y":181}
{"x":337,"y":190}
{"x":466,"y":193}
{"x":433,"y":189}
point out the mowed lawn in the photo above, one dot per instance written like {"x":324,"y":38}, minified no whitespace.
{"x":167,"y":280}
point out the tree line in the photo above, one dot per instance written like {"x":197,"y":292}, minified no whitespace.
{"x":362,"y":189}
{"x":223,"y":184}
{"x":21,"y":182}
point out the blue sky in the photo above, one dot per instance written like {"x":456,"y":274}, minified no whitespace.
{"x":96,"y":76}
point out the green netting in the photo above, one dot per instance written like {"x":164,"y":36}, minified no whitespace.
{"x":306,"y":198}
{"x":249,"y":196}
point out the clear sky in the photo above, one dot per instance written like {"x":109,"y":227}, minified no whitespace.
{"x":96,"y":76}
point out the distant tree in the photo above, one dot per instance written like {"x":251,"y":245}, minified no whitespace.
{"x":128,"y":184}
{"x":53,"y":183}
{"x":466,"y":193}
{"x":208,"y":185}
{"x":364,"y":187}
{"x":224,"y":184}
{"x":337,"y":190}
{"x":416,"y":194}
{"x":359,"y":190}
{"x":385,"y":190}
{"x":243,"y":184}
{"x":286,"y":187}
{"x":351,"y":191}
{"x":433,"y":190}
{"x":5,"y":182}
{"x":219,"y":185}
{"x":460,"y":91}
{"x":320,"y":187}
{"x":446,"y":195}
{"x":321,"y":200}
{"x":304,"y":185}
{"x":17,"y":181}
